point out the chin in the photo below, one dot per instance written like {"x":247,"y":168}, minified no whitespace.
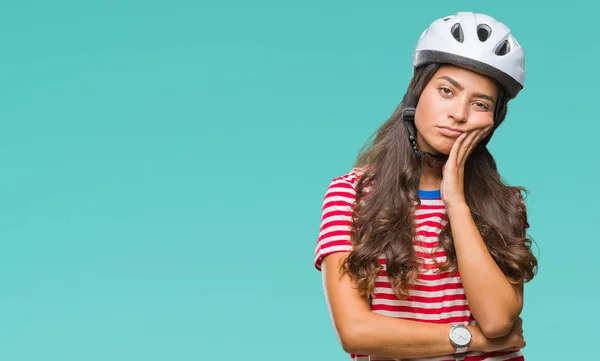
{"x":443,"y":147}
{"x":438,"y":144}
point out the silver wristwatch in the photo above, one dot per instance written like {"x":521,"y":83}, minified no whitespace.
{"x":460,"y":337}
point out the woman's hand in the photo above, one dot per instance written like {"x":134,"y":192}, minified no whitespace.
{"x":513,"y":341}
{"x":453,"y":186}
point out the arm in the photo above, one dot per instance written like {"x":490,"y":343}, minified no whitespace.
{"x":363,"y":332}
{"x":495,"y":303}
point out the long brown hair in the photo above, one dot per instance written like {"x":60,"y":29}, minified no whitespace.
{"x":387,"y":197}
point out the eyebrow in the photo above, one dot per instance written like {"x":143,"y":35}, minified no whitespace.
{"x":460,"y":87}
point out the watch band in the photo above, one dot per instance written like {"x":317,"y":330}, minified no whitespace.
{"x":462,"y":349}
{"x":459,"y":355}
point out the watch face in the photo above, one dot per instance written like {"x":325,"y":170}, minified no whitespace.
{"x":461,"y":336}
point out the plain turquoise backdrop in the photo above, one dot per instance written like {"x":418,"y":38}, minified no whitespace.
{"x":164,"y":164}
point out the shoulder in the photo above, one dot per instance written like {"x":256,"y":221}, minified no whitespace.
{"x":347,"y":182}
{"x":351,"y":177}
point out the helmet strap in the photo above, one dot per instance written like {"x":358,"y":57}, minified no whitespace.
{"x":408,"y":115}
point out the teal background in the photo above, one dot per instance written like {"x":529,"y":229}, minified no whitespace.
{"x":164,"y":164}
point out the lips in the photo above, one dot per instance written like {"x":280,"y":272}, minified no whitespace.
{"x":450,"y":132}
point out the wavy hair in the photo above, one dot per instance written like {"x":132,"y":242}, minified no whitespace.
{"x":387,"y":198}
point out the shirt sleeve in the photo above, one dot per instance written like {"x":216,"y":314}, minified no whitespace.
{"x":336,"y":220}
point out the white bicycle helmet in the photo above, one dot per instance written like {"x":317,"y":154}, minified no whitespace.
{"x":477,"y":42}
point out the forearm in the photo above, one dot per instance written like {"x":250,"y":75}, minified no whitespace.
{"x":492,"y":299}
{"x":396,"y":338}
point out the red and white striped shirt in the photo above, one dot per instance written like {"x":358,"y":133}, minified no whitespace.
{"x":436,"y":297}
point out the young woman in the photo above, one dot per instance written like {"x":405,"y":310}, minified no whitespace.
{"x":423,"y":248}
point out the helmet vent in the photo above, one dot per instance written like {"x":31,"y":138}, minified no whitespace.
{"x":483,"y":32}
{"x":457,"y":33}
{"x":503,"y":48}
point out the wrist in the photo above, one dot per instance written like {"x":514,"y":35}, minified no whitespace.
{"x":458,"y":208}
{"x":478,"y":340}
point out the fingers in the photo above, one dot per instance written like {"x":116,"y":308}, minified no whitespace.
{"x":465,"y":147}
{"x":464,"y":144}
{"x":469,"y":143}
{"x":518,"y":326}
{"x":519,"y":341}
{"x":514,"y":341}
{"x":484,"y":133}
{"x":453,"y":156}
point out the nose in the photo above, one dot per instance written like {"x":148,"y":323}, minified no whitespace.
{"x":458,"y":111}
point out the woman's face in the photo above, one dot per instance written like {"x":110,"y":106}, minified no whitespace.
{"x":454,"y":101}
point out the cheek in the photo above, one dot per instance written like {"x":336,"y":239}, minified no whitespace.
{"x":428,"y":110}
{"x":483,"y":121}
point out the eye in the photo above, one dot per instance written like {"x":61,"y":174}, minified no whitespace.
{"x":445,"y":90}
{"x":482,"y":105}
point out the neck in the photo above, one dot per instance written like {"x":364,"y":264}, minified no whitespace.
{"x":431,"y":178}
